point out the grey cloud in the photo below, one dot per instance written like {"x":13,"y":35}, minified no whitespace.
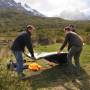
{"x":73,"y":15}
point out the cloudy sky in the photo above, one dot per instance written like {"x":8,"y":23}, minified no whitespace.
{"x":55,"y":7}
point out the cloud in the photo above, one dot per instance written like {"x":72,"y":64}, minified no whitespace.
{"x":43,"y":6}
{"x":55,"y":7}
{"x":73,"y":15}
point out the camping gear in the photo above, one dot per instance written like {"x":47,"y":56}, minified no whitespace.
{"x":11,"y":65}
{"x":54,"y":57}
{"x":57,"y":58}
{"x":34,"y":66}
{"x":27,"y":65}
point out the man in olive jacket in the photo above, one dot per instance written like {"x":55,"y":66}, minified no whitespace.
{"x":75,"y":44}
{"x":24,"y":39}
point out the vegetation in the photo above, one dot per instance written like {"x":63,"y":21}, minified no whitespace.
{"x":50,"y":78}
{"x":12,"y":22}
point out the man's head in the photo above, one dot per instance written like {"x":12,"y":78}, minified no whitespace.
{"x":30,"y":28}
{"x":72,"y":27}
{"x":67,"y":29}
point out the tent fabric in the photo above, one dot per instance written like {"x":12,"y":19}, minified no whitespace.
{"x":52,"y":57}
{"x":57,"y":58}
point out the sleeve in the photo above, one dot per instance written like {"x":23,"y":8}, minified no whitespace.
{"x":64,"y":43}
{"x":29,"y":45}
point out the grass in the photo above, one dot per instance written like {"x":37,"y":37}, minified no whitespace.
{"x":47,"y":48}
{"x":51,"y":78}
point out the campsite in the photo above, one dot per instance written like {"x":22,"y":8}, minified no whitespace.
{"x":49,"y":70}
{"x":49,"y":78}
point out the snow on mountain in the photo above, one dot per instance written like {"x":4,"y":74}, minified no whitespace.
{"x":35,"y":12}
{"x":18,"y":6}
{"x":28,"y":8}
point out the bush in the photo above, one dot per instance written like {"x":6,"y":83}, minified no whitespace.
{"x":88,"y":39}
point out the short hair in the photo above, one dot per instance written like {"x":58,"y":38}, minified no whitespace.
{"x":70,"y":25}
{"x":67,"y":28}
{"x":30,"y":27}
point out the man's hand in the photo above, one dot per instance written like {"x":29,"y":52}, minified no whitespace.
{"x":33,"y":58}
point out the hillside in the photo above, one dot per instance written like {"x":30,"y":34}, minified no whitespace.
{"x":14,"y":21}
{"x":13,"y":17}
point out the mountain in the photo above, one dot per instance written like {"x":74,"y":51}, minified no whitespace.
{"x":35,"y":12}
{"x":18,"y":6}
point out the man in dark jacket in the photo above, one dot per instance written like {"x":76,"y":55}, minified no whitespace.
{"x":75,"y":44}
{"x":24,"y":39}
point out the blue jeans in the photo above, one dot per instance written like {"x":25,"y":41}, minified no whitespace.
{"x":19,"y":59}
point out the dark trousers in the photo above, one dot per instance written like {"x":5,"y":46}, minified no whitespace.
{"x":75,"y":52}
